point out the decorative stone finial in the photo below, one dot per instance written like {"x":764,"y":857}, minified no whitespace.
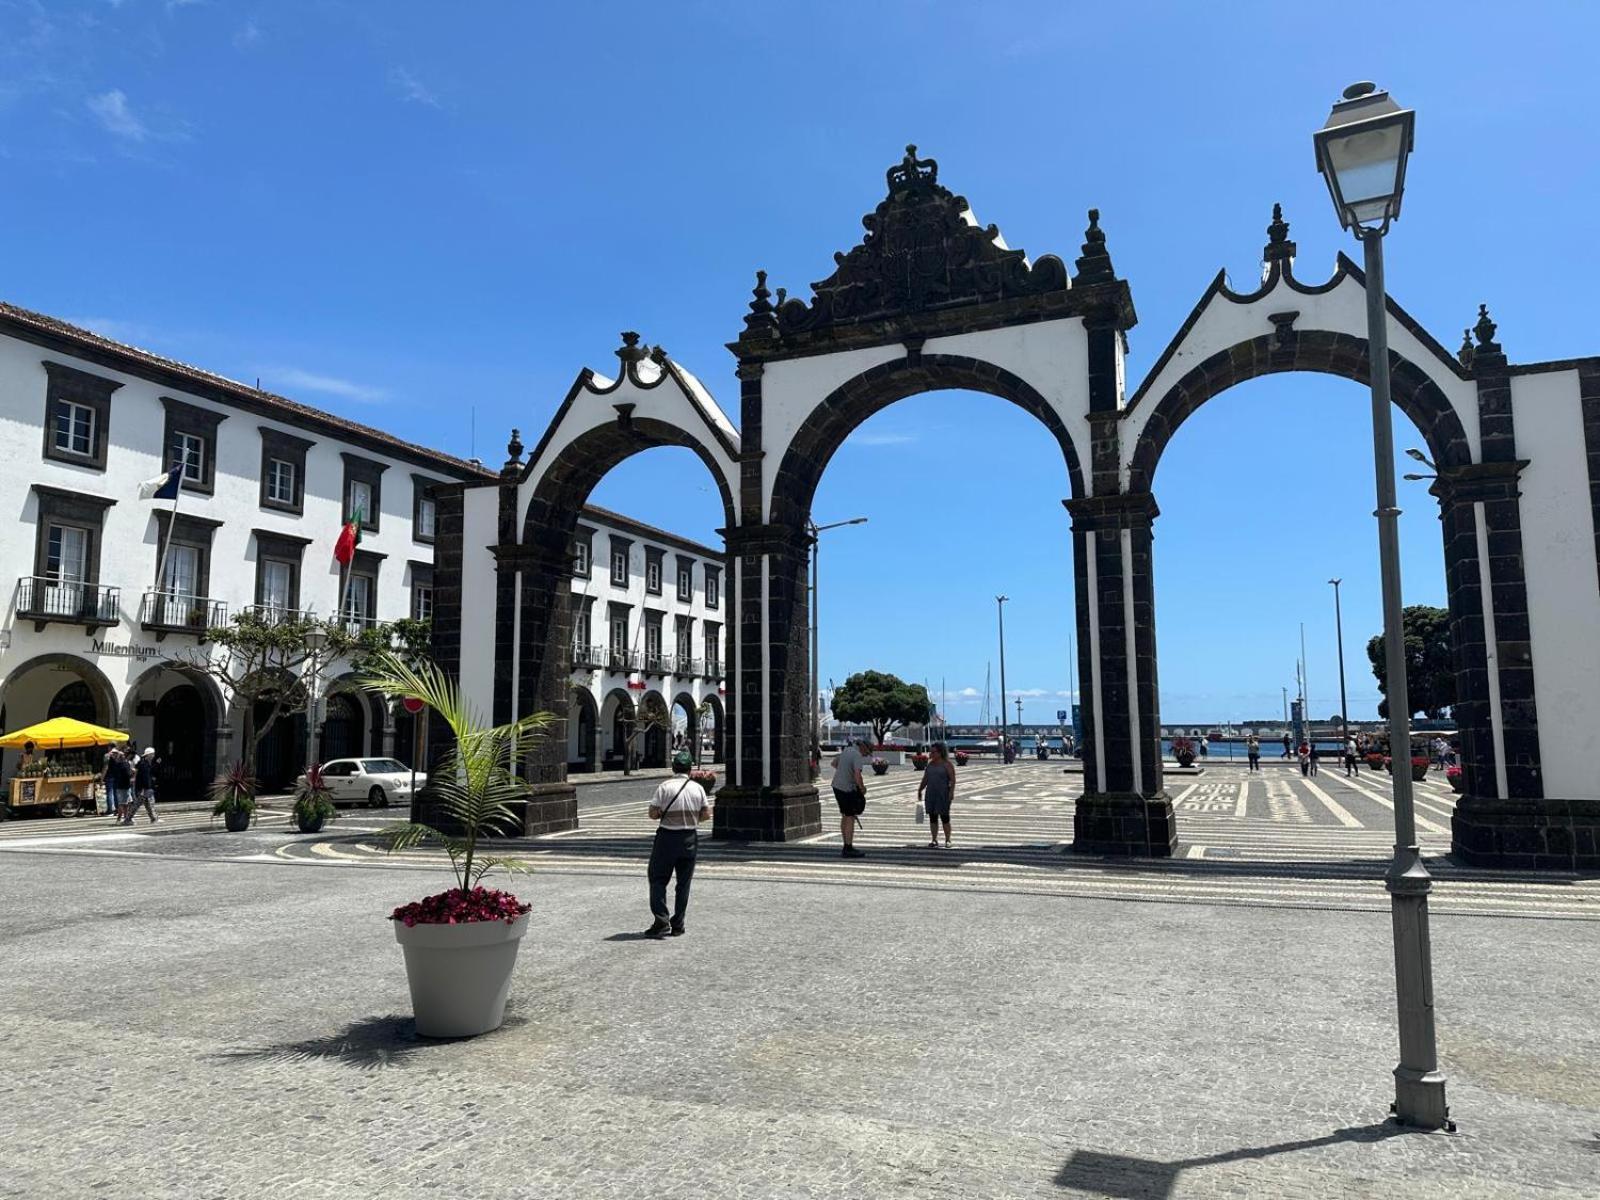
{"x":1464,"y":355}
{"x":761,"y":319}
{"x":630,"y":351}
{"x":1279,"y":247}
{"x":1094,"y":264}
{"x":1484,"y":330}
{"x":514,"y":448}
{"x":658,"y":355}
{"x":911,"y":172}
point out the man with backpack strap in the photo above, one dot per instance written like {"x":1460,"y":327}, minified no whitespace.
{"x":679,"y":805}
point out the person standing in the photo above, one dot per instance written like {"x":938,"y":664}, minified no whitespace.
{"x":678,"y":807}
{"x":850,"y":792}
{"x":936,"y":791}
{"x":1288,"y":747}
{"x":1312,"y":761}
{"x":119,"y":779}
{"x":1304,"y":754}
{"x":1352,"y":757}
{"x":144,"y":786}
{"x":1252,"y":749}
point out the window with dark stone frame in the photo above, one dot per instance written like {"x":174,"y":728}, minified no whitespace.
{"x":685,"y":578}
{"x":713,"y":585}
{"x":359,"y":470}
{"x":583,"y":552}
{"x":653,"y":560}
{"x":189,"y":439}
{"x":421,"y":591}
{"x":71,"y":510}
{"x":278,"y":447}
{"x":77,"y":415}
{"x":286,"y":550}
{"x":424,"y":509}
{"x":620,"y":548}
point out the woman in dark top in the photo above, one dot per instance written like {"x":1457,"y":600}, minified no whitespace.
{"x":937,"y":789}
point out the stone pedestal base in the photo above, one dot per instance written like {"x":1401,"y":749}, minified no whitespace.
{"x":1122,"y":824}
{"x":1549,"y":835}
{"x":768,"y":815}
{"x":552,"y":808}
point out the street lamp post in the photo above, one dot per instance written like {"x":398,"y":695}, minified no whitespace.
{"x":1344,"y":705}
{"x":1361,"y":153}
{"x":1005,"y":726}
{"x":316,"y":643}
{"x":816,"y":662}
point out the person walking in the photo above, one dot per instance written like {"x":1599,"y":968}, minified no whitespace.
{"x":1304,"y":754}
{"x":1313,"y":759}
{"x":144,"y":786}
{"x":678,"y":807}
{"x":937,"y":789}
{"x":1352,"y":757}
{"x":850,"y":792}
{"x":118,"y":779}
{"x":1288,"y":747}
{"x":1252,"y":749}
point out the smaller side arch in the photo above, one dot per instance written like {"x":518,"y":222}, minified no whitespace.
{"x":1317,"y":350}
{"x":105,"y":695}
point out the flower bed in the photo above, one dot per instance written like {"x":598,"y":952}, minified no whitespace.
{"x":1456,"y":778}
{"x":457,"y":907}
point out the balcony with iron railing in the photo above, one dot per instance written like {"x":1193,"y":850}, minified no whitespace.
{"x":713,"y":669}
{"x":587,"y":657}
{"x":685,"y":666}
{"x":624,"y":660}
{"x":657,"y":663}
{"x":355,"y":624}
{"x":168,"y":612}
{"x":273,"y":615}
{"x":42,"y":599}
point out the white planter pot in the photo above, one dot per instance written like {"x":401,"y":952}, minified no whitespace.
{"x":460,"y":974}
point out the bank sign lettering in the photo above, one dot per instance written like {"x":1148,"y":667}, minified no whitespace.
{"x":111,"y":650}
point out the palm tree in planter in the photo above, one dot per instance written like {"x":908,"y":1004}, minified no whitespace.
{"x":313,"y":802}
{"x":461,"y":944}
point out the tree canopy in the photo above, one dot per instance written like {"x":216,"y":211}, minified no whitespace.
{"x":884,"y":701}
{"x":1430,"y":662}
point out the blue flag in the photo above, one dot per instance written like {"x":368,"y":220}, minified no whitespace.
{"x":162,"y":487}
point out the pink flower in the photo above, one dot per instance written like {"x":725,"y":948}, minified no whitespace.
{"x":457,"y":907}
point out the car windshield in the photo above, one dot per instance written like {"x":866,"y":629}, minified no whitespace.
{"x":384,"y":766}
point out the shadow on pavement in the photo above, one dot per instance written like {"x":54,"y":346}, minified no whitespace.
{"x":1124,"y":1177}
{"x":369,"y":1044}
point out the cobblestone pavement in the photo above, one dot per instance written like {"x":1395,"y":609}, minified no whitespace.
{"x":174,"y":1028}
{"x":198,"y":1015}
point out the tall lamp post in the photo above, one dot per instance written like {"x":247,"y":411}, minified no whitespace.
{"x":316,"y":643}
{"x":1361,"y":154}
{"x":1344,"y":705}
{"x":1005,"y":726}
{"x":816,"y":663}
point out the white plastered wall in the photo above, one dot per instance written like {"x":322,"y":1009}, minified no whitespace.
{"x":1342,"y":309}
{"x":1563,"y":589}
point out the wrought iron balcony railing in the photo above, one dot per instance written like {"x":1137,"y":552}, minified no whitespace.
{"x":169,"y":612}
{"x":275,"y":614}
{"x":41,"y":598}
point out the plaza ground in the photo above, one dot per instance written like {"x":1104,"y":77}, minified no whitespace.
{"x":191,"y":1013}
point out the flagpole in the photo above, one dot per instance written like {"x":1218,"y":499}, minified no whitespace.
{"x":166,"y":549}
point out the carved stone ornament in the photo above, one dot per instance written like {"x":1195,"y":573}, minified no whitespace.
{"x":920,"y":254}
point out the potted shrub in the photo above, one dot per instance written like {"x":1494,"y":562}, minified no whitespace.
{"x":461,"y":944}
{"x":1183,"y":751}
{"x":313,"y":802}
{"x":706,"y":779}
{"x":919,"y":761}
{"x":1419,"y":767}
{"x":1375,"y":762}
{"x":879,"y":766}
{"x":233,"y":798}
{"x":961,"y":758}
{"x":1456,"y":778}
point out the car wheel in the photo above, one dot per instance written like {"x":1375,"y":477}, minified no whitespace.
{"x":377,"y":798}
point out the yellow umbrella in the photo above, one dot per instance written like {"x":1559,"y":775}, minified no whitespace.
{"x":61,"y":733}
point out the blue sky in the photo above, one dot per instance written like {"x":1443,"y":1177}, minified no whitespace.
{"x":431,"y":217}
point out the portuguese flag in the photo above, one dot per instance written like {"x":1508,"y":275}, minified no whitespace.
{"x":349,"y":538}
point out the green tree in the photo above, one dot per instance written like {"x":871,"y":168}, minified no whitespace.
{"x":1430,"y":662}
{"x":884,"y":701}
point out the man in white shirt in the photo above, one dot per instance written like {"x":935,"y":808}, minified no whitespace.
{"x":850,"y":790}
{"x":679,"y":805}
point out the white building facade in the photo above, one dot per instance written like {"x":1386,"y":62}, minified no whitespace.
{"x":266,"y":486}
{"x":648,"y":621}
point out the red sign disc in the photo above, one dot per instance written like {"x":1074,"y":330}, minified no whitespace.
{"x":412,"y":705}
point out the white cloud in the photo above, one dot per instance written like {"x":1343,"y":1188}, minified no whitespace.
{"x":113,"y":112}
{"x":247,"y":35}
{"x":412,"y":88}
{"x":330,"y":385}
{"x":880,"y":439}
{"x":966,"y":693}
{"x":1029,"y":693}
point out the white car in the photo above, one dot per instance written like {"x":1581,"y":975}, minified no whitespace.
{"x":375,"y":782}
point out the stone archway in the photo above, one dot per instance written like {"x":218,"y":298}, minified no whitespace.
{"x":714,"y":718}
{"x":187,"y":725}
{"x":688,"y":737}
{"x":583,"y":730}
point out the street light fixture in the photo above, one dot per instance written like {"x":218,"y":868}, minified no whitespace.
{"x":1344,"y":704}
{"x":1362,"y":152}
{"x":816,"y":663}
{"x":1005,"y":725}
{"x":316,"y":643}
